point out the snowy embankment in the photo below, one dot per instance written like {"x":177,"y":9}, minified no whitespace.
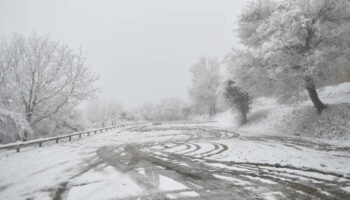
{"x":268,"y":117}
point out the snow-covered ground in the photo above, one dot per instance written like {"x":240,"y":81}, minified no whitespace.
{"x":37,"y":172}
{"x":177,"y":162}
{"x":268,"y":117}
{"x":189,"y":161}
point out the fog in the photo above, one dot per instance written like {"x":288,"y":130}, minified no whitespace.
{"x":142,"y":50}
{"x":180,"y":99}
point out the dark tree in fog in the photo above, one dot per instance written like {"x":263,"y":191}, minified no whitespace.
{"x":238,"y":98}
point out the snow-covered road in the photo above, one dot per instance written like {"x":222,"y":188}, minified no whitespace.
{"x":177,"y":162}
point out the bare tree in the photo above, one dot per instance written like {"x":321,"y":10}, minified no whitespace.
{"x":42,"y":76}
{"x":100,"y":112}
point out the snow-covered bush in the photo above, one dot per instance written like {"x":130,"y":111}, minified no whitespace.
{"x":333,"y":123}
{"x":13,"y":127}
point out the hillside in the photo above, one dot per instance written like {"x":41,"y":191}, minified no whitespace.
{"x":268,"y":117}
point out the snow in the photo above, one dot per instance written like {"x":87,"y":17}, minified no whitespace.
{"x":234,"y":180}
{"x":227,"y":167}
{"x":105,"y":184}
{"x":347,"y":189}
{"x":182,"y":195}
{"x":87,"y":177}
{"x":205,"y":147}
{"x":177,"y":148}
{"x":13,"y":126}
{"x":336,"y":94}
{"x":36,"y":172}
{"x":25,"y":172}
{"x":268,"y":117}
{"x":245,"y":150}
{"x":273,"y":196}
{"x":168,"y":184}
{"x":225,"y":119}
{"x":260,"y":180}
{"x":308,"y":174}
{"x":58,"y":163}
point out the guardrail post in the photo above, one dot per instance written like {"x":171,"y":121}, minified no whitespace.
{"x":79,"y":135}
{"x":70,"y":138}
{"x":101,"y":130}
{"x":88,"y":133}
{"x":56,"y":140}
{"x":17,"y":148}
{"x":40,"y":144}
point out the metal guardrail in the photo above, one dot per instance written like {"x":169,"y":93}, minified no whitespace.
{"x":40,"y":142}
{"x":181,"y":122}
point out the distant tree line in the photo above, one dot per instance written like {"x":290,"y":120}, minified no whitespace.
{"x":170,"y":109}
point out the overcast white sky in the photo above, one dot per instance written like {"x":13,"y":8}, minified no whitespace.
{"x":142,"y":49}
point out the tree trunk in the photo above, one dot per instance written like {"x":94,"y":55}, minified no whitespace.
{"x":311,"y":89}
{"x":243,"y":117}
{"x":212,"y":110}
{"x":28,"y":114}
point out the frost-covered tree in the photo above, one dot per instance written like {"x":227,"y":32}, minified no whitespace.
{"x":147,"y":111}
{"x":253,"y":14}
{"x":247,"y":68}
{"x":205,"y":81}
{"x":237,"y":97}
{"x":102,"y":112}
{"x":298,"y":39}
{"x":169,"y":109}
{"x":42,"y":78}
{"x":13,"y":127}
